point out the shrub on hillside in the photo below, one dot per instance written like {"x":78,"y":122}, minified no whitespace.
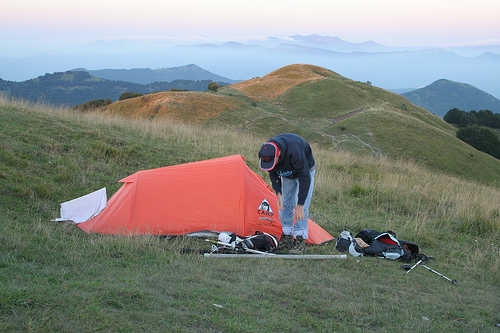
{"x":480,"y":138}
{"x":93,"y":104}
{"x":126,"y":95}
{"x":461,"y":118}
{"x":457,"y":117}
{"x":487,"y":118}
{"x":213,"y":86}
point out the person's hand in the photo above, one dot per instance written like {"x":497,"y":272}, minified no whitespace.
{"x":280,"y":201}
{"x":299,"y":212}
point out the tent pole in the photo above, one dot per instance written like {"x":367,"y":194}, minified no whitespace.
{"x":277,"y":256}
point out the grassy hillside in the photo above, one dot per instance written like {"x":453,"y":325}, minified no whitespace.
{"x":55,"y":278}
{"x":278,"y":82}
{"x":328,"y":109}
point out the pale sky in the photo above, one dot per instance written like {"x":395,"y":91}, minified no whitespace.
{"x":390,"y":22}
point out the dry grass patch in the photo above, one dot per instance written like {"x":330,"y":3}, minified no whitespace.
{"x":196,"y":107}
{"x":403,"y":187}
{"x":278,"y":82}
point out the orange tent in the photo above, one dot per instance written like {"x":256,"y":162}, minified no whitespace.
{"x":221,"y":194}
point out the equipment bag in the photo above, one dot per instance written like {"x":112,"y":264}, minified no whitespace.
{"x":386,"y":245}
{"x":261,"y":241}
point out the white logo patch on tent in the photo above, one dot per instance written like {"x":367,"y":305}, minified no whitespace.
{"x":265,"y":206}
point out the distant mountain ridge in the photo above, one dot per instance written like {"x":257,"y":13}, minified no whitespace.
{"x":338,"y":44}
{"x":386,"y":66}
{"x":147,"y":75}
{"x":443,"y":95}
{"x":76,"y":87}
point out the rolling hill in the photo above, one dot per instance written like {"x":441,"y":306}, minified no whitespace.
{"x":147,"y":75}
{"x":76,"y":87}
{"x":443,"y":95}
{"x":328,"y":109}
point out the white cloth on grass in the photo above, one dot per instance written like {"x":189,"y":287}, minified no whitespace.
{"x":83,"y":208}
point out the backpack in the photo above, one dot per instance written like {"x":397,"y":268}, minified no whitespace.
{"x":386,"y":245}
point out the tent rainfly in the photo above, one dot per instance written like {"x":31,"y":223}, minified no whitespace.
{"x":220,"y":194}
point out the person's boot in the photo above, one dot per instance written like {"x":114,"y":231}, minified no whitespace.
{"x":299,"y":246}
{"x":285,"y":243}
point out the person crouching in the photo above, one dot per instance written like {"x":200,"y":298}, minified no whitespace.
{"x":289,"y":160}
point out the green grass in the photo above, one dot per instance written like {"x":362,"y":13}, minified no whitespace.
{"x":55,"y":278}
{"x":393,"y":134}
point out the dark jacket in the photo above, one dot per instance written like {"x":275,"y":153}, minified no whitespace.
{"x":296,"y":161}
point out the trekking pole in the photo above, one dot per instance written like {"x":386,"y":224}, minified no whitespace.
{"x":412,"y":267}
{"x":441,"y":275}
